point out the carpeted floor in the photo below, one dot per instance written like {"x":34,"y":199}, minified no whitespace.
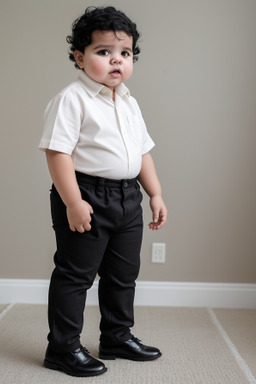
{"x":199,"y":346}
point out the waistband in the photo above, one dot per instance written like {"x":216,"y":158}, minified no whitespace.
{"x":103,"y":182}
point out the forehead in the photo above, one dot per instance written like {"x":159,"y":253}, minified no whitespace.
{"x":111,"y":37}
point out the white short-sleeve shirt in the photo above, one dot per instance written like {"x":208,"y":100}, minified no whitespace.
{"x":105,"y":138}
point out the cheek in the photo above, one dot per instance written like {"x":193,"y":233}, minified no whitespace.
{"x":98,"y":67}
{"x":129,"y":70}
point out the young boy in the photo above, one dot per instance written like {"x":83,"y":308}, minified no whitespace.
{"x":97,"y":147}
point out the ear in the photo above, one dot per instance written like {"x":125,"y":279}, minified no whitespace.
{"x":78,"y":55}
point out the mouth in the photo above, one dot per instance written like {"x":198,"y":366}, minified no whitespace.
{"x":115,"y":73}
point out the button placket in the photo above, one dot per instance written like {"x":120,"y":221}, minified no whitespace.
{"x":124,"y":135}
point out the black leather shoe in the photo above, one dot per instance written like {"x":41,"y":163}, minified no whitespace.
{"x":131,"y":349}
{"x":77,"y":363}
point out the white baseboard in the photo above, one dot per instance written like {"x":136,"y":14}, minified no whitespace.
{"x":150,"y":293}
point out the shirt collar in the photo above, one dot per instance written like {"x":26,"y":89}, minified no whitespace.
{"x":94,"y":88}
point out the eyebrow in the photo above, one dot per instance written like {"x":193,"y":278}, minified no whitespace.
{"x":102,"y":46}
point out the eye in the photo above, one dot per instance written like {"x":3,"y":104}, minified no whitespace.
{"x":125,"y":54}
{"x":103,"y":52}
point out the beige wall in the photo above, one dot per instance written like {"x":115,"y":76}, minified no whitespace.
{"x":196,"y":84}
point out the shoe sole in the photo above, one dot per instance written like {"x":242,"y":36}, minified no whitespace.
{"x":113,"y":356}
{"x":56,"y":367}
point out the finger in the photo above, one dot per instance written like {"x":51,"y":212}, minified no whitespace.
{"x":159,"y":226}
{"x":161,"y":223}
{"x":156,"y":226}
{"x":73,"y":228}
{"x":80,"y":228}
{"x":87,"y":227}
{"x":153,"y":225}
{"x":155,"y":217}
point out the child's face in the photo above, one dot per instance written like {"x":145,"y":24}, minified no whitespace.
{"x":108,"y":60}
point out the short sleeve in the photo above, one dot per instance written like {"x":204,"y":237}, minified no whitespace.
{"x":62,"y":122}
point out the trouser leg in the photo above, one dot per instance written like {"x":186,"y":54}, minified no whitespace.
{"x":118,"y":272}
{"x":77,"y":261}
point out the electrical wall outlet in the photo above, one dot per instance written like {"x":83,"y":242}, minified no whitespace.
{"x":158,"y":253}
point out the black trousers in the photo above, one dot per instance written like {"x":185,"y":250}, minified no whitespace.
{"x":111,"y":248}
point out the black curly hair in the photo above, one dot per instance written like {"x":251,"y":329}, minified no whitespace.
{"x":103,"y":19}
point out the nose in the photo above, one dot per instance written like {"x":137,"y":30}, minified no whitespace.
{"x":116,"y":60}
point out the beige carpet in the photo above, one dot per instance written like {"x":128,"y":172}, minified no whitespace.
{"x":199,"y":346}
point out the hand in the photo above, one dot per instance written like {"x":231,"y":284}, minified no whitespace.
{"x":79,"y":216}
{"x":159,"y":211}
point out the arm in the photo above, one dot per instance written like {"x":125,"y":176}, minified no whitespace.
{"x":63,"y":175}
{"x":150,"y":183}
